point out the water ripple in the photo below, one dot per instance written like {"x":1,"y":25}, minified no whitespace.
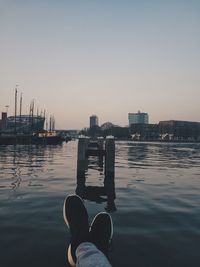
{"x":157,"y":198}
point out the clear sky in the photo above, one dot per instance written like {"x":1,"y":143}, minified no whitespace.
{"x":103,"y":57}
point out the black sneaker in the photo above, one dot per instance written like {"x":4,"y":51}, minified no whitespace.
{"x":101,"y":231}
{"x":76,"y":217}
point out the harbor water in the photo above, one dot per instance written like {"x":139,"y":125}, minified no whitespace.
{"x":157,"y":221}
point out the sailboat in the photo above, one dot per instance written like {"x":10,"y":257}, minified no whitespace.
{"x":27,"y":129}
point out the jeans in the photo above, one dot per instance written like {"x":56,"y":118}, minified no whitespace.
{"x":88,"y":255}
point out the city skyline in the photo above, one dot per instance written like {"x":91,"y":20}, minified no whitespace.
{"x":105,"y":58}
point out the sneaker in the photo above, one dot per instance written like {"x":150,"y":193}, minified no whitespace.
{"x":76,"y":217}
{"x":101,"y":231}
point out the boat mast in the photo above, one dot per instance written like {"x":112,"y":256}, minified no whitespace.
{"x":37,"y":120}
{"x":30,"y":119}
{"x":47,"y":123}
{"x":53,"y":123}
{"x":50,"y":122}
{"x":16,"y":109}
{"x":20,"y":113}
{"x":32,"y":114}
{"x":44,"y":119}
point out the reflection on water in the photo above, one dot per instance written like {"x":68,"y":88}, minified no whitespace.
{"x":157,"y":222}
{"x":23,"y":166}
{"x":169,"y":155}
{"x":137,"y":154}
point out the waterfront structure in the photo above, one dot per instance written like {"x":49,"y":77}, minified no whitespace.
{"x":27,"y":129}
{"x":21,"y":124}
{"x":94,"y":121}
{"x":70,"y":134}
{"x":173,"y":130}
{"x":3,"y":121}
{"x":180,"y":130}
{"x":142,"y":131}
{"x":104,"y":151}
{"x":110,"y":129}
{"x":138,"y":118}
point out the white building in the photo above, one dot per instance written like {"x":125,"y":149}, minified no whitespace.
{"x":140,"y":117}
{"x":94,"y":121}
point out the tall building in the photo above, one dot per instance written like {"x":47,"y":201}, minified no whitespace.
{"x":139,"y":117}
{"x":94,"y":121}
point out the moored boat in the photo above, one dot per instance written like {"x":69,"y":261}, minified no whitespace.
{"x":49,"y":137}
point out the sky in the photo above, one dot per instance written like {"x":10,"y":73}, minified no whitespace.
{"x":104,"y":57}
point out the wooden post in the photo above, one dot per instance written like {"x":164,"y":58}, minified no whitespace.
{"x":82,"y":146}
{"x":101,"y":148}
{"x":109,"y":182}
{"x":100,"y":143}
{"x":81,"y":165}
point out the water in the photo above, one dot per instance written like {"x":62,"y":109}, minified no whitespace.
{"x":157,"y":222}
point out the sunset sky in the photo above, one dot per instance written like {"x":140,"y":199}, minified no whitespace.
{"x":103,"y":57}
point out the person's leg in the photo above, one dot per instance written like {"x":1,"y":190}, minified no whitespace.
{"x":81,"y":251}
{"x":88,"y":255}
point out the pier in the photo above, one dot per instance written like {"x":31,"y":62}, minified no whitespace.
{"x":104,"y":152}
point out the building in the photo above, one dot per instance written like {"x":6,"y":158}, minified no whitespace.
{"x":21,"y":124}
{"x":180,"y":130}
{"x":94,"y":121}
{"x":144,"y":131}
{"x":138,"y":118}
{"x":3,"y":121}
